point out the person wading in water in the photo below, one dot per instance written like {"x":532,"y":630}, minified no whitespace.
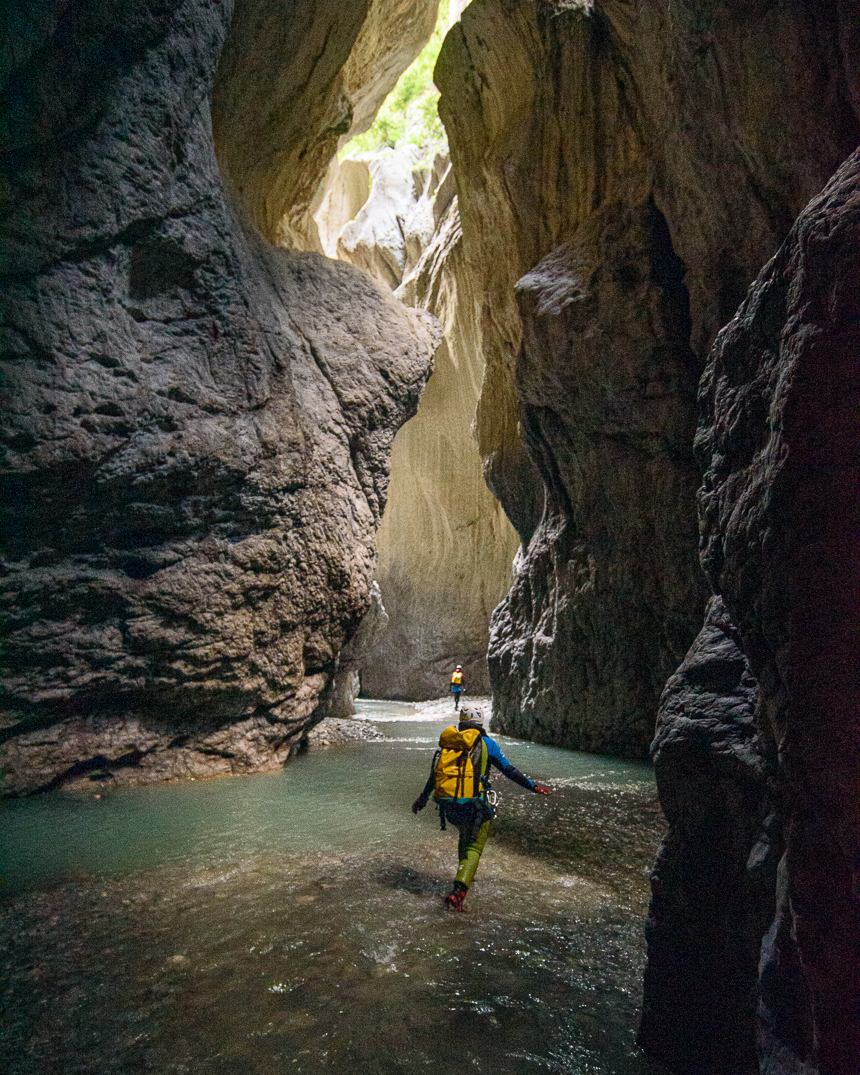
{"x":459,"y":782}
{"x":457,"y":685}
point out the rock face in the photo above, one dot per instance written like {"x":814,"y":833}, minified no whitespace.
{"x":781,"y":545}
{"x":394,"y":225}
{"x":632,"y":165}
{"x":445,"y":546}
{"x":714,"y":880}
{"x":199,"y":425}
{"x":347,"y":189}
{"x":346,"y":683}
{"x":295,"y":82}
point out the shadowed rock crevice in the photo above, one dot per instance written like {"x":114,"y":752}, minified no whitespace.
{"x":606,"y":380}
{"x":714,"y":880}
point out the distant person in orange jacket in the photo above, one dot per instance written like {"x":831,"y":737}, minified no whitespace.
{"x":457,"y":685}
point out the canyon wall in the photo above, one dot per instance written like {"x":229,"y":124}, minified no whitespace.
{"x":446,"y":548}
{"x":295,"y":82}
{"x":198,"y":425}
{"x":755,"y":915}
{"x":623,"y":171}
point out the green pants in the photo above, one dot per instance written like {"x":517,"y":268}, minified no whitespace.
{"x":470,"y":853}
{"x":468,"y":849}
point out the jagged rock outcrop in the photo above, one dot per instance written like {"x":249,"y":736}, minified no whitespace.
{"x":632,"y":165}
{"x":781,"y":545}
{"x":714,"y":879}
{"x":445,"y":546}
{"x":199,"y":425}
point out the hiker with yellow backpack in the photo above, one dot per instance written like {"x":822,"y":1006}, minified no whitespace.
{"x":457,"y":685}
{"x":460,"y":783}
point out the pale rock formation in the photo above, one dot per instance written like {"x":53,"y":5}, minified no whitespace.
{"x":199,"y":425}
{"x":445,"y":546}
{"x":395,"y":224}
{"x":375,"y":240}
{"x":347,"y":189}
{"x":633,"y":165}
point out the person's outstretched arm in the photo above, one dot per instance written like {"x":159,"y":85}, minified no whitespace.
{"x":421,"y":801}
{"x":498,"y":759}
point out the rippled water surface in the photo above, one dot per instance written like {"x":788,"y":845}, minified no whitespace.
{"x":294,"y":922}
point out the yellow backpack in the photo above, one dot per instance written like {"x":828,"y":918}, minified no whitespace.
{"x":461,"y":761}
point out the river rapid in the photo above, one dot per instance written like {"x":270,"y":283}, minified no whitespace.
{"x":293,"y":922}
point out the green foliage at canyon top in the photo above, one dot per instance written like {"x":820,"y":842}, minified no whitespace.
{"x":410,"y":112}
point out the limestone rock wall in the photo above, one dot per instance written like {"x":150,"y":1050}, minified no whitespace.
{"x":395,"y":224}
{"x":446,"y":549}
{"x":295,"y":82}
{"x":713,"y":884}
{"x":347,"y":189}
{"x":198,"y":425}
{"x":623,"y":169}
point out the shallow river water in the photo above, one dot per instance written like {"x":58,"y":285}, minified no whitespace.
{"x":293,"y":922}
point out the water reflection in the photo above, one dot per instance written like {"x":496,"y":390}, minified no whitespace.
{"x":293,"y":922}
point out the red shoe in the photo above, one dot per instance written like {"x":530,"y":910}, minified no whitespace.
{"x":455,"y":899}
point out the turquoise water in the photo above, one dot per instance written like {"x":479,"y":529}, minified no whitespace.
{"x":294,"y":921}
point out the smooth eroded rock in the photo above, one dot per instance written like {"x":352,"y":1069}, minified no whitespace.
{"x":295,"y":82}
{"x":445,"y":545}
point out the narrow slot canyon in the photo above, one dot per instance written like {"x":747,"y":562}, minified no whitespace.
{"x":348,"y":343}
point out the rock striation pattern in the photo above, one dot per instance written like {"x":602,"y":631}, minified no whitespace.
{"x":623,"y":170}
{"x":198,"y":425}
{"x":756,"y":887}
{"x":446,"y":548}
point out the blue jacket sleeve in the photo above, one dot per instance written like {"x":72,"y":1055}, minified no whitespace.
{"x":498,"y":759}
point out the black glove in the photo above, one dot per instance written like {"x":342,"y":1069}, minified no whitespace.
{"x":541,"y":789}
{"x":419,"y":804}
